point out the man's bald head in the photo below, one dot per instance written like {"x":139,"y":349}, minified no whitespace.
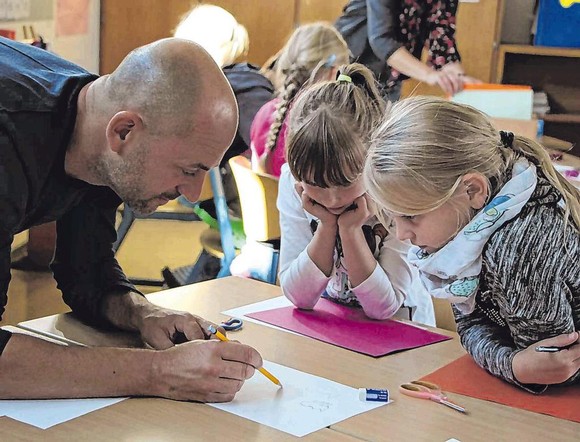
{"x":169,"y":83}
{"x":152,"y":128}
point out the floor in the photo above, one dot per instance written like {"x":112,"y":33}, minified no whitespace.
{"x":149,"y":246}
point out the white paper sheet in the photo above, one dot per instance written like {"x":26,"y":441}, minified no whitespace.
{"x":307,"y":403}
{"x":269,"y":304}
{"x":49,"y":412}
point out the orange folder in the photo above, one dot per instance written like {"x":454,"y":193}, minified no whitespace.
{"x":464,"y":376}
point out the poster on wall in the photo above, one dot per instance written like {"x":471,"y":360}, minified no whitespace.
{"x":72,"y":17}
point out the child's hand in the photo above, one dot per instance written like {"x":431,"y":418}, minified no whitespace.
{"x":532,"y":367}
{"x":355,"y":217}
{"x":314,"y":208}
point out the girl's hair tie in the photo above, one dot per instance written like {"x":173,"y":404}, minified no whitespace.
{"x":343,"y":78}
{"x":507,"y":138}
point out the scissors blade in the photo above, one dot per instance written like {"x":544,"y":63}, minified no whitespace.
{"x":454,"y":406}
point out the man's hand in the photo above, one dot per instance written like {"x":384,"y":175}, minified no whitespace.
{"x":532,"y":367}
{"x":159,"y":327}
{"x":163,"y":328}
{"x":205,"y":371}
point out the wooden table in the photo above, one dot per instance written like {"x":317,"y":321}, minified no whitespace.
{"x":406,"y":419}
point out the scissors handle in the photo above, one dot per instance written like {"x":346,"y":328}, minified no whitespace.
{"x":232,"y":324}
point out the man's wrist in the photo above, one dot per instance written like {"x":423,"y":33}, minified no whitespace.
{"x":126,"y":309}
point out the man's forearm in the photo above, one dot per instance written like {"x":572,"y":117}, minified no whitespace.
{"x":33,"y":368}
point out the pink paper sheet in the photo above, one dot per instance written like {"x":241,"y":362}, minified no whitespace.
{"x":349,"y":328}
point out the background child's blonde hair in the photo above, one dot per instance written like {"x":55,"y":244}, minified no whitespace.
{"x":217,"y":31}
{"x":425,"y":145}
{"x":308,"y":46}
{"x":330,"y":126}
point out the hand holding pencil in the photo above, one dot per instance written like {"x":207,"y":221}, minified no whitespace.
{"x":549,"y":361}
{"x":214,"y":331}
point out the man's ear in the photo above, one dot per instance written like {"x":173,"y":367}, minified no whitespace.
{"x":477,"y":188}
{"x":121,"y":128}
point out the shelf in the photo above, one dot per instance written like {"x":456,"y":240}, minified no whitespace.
{"x":561,"y":118}
{"x":548,"y":51}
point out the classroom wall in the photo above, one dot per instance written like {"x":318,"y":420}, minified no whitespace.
{"x":81,"y":48}
{"x":128,"y":24}
{"x":131,"y":23}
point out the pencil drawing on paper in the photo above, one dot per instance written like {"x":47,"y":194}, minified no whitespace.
{"x":320,"y":406}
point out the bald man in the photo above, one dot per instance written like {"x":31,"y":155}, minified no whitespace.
{"x":72,"y":148}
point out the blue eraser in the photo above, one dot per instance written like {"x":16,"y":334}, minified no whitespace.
{"x":375,"y":395}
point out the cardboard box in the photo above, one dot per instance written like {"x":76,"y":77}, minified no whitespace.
{"x":498,"y":100}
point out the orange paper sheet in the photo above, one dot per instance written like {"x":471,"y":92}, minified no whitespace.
{"x":464,"y":376}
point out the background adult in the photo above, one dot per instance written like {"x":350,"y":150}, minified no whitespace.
{"x":388,"y":36}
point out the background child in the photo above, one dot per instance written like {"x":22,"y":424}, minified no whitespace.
{"x":332,"y":245}
{"x":308,"y":46}
{"x":495,"y":230}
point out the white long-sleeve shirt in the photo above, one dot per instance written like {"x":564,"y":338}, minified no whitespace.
{"x":392,"y":284}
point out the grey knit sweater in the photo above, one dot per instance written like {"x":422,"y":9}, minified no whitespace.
{"x":530,"y":287}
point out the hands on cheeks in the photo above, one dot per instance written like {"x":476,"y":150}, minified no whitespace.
{"x":314,"y":208}
{"x":355,"y":217}
{"x":532,"y":367}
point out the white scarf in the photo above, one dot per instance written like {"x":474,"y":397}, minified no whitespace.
{"x":453,"y":271}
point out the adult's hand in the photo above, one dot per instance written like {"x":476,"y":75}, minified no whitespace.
{"x":448,"y":80}
{"x":162,"y":328}
{"x":205,"y":371}
{"x":532,"y":367}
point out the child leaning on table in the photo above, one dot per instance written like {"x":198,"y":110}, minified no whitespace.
{"x":332,"y":244}
{"x":494,"y":229}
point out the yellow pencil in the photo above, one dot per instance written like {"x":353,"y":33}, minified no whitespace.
{"x":213,"y":330}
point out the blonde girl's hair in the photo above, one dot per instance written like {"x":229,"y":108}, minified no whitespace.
{"x":217,"y":31}
{"x":330,"y":127}
{"x":308,"y":46}
{"x":425,"y":145}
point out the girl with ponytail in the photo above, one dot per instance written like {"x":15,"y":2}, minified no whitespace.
{"x":495,"y":231}
{"x":332,"y":244}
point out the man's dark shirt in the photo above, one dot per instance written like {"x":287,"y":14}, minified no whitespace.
{"x":38,"y":104}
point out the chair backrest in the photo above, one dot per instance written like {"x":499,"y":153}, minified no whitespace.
{"x":258,"y":193}
{"x":444,"y":314}
{"x":206,"y":189}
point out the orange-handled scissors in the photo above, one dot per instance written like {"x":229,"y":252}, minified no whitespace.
{"x":427,"y":390}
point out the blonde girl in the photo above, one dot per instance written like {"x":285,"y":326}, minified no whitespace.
{"x":217,"y":31}
{"x":494,"y":229}
{"x":309,"y":46}
{"x":332,"y":245}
